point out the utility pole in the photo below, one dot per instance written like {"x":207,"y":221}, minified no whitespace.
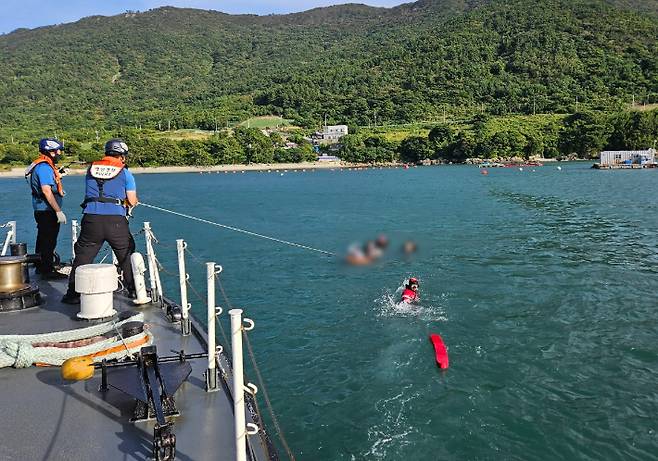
{"x":534,"y":106}
{"x":576,"y":103}
{"x":633,"y":102}
{"x":325,"y":122}
{"x":375,"y":118}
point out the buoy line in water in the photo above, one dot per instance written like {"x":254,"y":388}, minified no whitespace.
{"x":236,"y":229}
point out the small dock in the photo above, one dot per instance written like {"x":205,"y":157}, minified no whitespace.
{"x":622,"y":166}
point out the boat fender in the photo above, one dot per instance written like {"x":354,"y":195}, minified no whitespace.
{"x":139,"y":268}
{"x":78,"y":369}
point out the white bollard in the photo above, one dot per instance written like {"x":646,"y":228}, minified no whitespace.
{"x":139,"y":269}
{"x":96,"y":284}
{"x":182,"y":280}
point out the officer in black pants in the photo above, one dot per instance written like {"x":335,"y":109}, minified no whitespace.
{"x":47,"y":196}
{"x":110,"y":189}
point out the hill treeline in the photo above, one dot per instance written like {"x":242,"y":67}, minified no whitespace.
{"x":583,"y":134}
{"x":183,"y":68}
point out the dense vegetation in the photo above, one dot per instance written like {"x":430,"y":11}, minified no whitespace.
{"x":583,"y":134}
{"x":481,"y":64}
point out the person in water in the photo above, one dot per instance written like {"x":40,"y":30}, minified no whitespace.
{"x":410,"y":293}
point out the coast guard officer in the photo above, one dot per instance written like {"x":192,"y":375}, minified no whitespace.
{"x":47,"y":194}
{"x":110,"y":190}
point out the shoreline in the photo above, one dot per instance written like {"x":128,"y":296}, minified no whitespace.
{"x":19,"y":172}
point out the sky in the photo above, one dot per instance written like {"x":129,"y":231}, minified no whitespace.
{"x":34,"y":13}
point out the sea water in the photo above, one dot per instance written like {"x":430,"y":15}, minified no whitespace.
{"x":542,"y":283}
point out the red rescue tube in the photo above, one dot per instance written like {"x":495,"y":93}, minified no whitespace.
{"x":440,"y":351}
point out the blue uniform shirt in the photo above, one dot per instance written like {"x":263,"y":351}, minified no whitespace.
{"x":114,"y":188}
{"x":43,"y":175}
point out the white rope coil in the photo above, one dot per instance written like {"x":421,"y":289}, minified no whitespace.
{"x":18,"y":350}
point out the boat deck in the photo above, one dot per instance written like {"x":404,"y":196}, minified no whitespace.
{"x":48,"y":418}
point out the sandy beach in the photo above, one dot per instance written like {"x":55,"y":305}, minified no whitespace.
{"x":20,"y":171}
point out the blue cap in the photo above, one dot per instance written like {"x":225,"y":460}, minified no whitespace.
{"x":50,"y":145}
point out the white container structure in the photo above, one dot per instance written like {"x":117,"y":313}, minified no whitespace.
{"x":619,"y":157}
{"x":96,"y":284}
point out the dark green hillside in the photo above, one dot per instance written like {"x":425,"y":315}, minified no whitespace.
{"x":193,"y":68}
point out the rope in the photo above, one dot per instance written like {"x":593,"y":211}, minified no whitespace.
{"x":267,"y":398}
{"x":18,"y":350}
{"x":236,"y":229}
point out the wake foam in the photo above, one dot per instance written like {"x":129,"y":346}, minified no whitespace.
{"x":389,"y":305}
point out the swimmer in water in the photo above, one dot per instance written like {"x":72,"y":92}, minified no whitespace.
{"x":410,"y":293}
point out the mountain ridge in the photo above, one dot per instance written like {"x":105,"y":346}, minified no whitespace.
{"x":352,"y":62}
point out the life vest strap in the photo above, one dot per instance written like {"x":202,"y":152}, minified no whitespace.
{"x":113,"y":201}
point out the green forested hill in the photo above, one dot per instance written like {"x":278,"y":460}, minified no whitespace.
{"x":194,"y":68}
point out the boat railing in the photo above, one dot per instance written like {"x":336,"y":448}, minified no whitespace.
{"x":241,"y":391}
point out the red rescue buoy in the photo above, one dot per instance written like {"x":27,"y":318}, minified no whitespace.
{"x":440,"y":351}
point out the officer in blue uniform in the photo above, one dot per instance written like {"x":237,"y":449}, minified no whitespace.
{"x":110,"y":190}
{"x":47,"y":194}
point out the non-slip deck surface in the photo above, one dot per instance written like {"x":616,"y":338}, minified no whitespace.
{"x":47,"y":418}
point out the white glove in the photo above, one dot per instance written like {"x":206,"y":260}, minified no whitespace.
{"x":61,"y":217}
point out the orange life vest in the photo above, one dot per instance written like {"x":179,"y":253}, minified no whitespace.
{"x":58,"y":178}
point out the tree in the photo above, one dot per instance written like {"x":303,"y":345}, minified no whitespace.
{"x":414,"y":149}
{"x":440,"y":137}
{"x":226,"y":150}
{"x":257,"y":146}
{"x":584,"y":133}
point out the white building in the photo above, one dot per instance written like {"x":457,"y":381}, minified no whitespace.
{"x":331,"y":134}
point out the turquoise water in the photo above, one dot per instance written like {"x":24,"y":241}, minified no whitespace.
{"x":542,"y":284}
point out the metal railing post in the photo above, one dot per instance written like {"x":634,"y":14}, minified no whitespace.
{"x":241,"y":429}
{"x":182,"y":279}
{"x":212,"y":269}
{"x":12,"y":226}
{"x":11,"y":236}
{"x":151,"y":261}
{"x":74,"y":237}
